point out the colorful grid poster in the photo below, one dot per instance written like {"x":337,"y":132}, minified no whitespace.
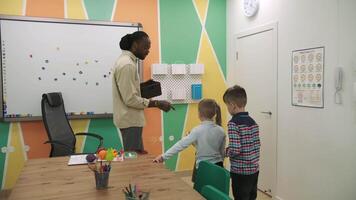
{"x":308,"y":77}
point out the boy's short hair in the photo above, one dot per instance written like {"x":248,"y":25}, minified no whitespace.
{"x":237,"y":95}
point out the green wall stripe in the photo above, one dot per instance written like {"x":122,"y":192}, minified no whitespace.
{"x":105,"y":128}
{"x":173,"y":126}
{"x":99,"y":10}
{"x":216,"y":27}
{"x":180,"y":37}
{"x":4,"y":136}
{"x":180,"y":31}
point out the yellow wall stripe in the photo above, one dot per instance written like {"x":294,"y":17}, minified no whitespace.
{"x":213,"y":87}
{"x":187,"y":157}
{"x":15,"y":159}
{"x":202,"y":8}
{"x":75,"y":9}
{"x":11,"y":7}
{"x":213,"y":81}
{"x":78,"y":126}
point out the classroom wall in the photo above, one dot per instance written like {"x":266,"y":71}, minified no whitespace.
{"x":188,"y":31}
{"x":316,"y":156}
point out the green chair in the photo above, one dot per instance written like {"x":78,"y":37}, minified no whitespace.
{"x":211,"y":174}
{"x":211,"y":193}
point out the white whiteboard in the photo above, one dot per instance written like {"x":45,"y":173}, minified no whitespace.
{"x":72,"y":57}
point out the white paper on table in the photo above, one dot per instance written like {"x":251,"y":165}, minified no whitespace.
{"x":78,"y":159}
{"x":81,"y":159}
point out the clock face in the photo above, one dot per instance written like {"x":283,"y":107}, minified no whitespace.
{"x":250,"y":7}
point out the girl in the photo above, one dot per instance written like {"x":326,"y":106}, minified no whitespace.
{"x":208,"y":137}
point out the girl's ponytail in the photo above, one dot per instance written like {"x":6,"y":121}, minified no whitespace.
{"x":218,"y":114}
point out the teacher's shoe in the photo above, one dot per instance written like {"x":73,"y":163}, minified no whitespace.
{"x":141,"y":152}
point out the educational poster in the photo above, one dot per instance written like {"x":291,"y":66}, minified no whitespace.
{"x":308,"y":77}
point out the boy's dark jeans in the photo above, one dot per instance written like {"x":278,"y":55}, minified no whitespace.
{"x":244,"y":187}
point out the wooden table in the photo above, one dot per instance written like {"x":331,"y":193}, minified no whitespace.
{"x":51,"y":178}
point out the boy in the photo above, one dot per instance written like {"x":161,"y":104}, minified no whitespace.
{"x":244,"y":145}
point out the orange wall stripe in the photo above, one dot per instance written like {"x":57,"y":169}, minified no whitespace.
{"x":148,"y":17}
{"x":152,"y":131}
{"x":34,"y":135}
{"x":45,"y":8}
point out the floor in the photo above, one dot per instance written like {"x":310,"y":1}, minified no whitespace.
{"x":188,"y":179}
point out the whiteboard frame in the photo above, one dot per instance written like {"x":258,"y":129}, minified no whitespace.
{"x":60,"y":21}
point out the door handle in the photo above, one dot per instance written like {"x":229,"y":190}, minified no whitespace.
{"x":269,"y":113}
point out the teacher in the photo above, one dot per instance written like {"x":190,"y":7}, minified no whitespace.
{"x":128,"y":104}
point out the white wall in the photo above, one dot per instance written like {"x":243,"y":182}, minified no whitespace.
{"x":316,"y":147}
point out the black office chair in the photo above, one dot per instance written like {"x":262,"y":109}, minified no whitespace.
{"x":59,"y":131}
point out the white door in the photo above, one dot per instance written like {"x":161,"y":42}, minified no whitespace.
{"x":255,"y":69}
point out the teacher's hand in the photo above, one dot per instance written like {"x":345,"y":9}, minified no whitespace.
{"x":163,"y":105}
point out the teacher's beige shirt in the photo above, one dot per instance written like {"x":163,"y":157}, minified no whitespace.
{"x":128,"y":104}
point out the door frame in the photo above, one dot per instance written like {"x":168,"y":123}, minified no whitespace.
{"x":273,"y":26}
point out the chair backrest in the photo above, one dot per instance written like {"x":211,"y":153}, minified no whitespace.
{"x":211,"y":193}
{"x":57,"y":124}
{"x":214,"y":175}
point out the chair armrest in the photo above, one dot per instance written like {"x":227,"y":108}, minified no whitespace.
{"x":100,"y":138}
{"x":91,"y":134}
{"x":59,"y":143}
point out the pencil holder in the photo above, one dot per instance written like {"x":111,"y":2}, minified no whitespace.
{"x":101,"y":180}
{"x":143,"y":196}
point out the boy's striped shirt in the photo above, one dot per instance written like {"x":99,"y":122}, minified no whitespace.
{"x":244,"y":144}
